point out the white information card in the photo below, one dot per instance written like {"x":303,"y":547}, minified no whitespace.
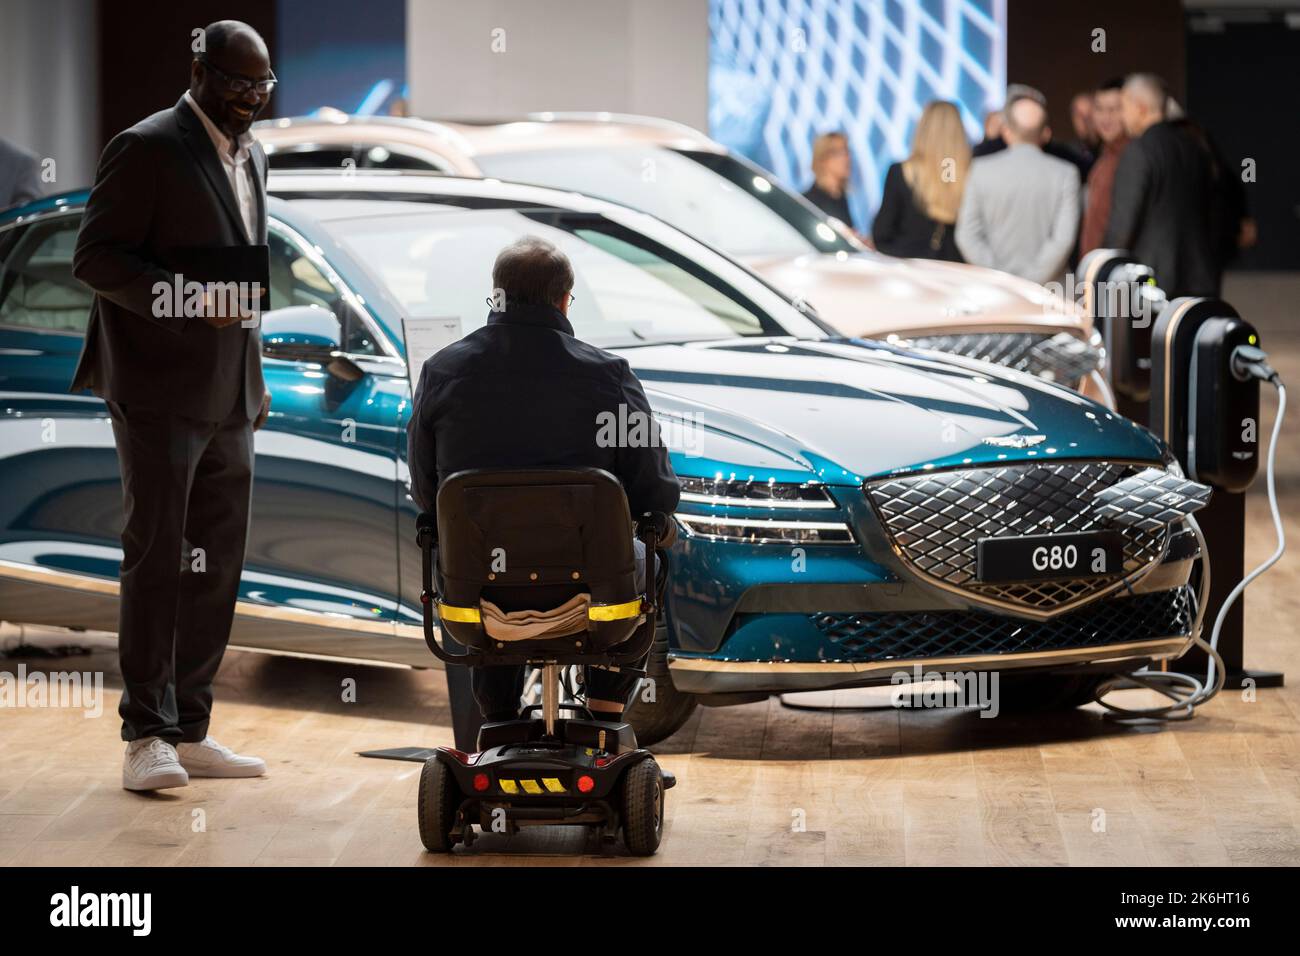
{"x":424,"y":337}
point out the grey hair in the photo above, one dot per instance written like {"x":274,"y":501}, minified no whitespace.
{"x":532,"y":271}
{"x":1150,"y":89}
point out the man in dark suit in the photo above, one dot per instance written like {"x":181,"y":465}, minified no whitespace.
{"x":1161,"y":210}
{"x":20,"y":175}
{"x":185,"y":391}
{"x":524,"y":392}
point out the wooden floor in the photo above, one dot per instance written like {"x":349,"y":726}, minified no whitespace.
{"x":759,"y":784}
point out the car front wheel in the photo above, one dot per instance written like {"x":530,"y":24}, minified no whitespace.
{"x":662,"y":717}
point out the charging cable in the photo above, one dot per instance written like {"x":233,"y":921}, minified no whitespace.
{"x":1185,"y":691}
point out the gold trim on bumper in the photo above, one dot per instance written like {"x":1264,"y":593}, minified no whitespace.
{"x":1156,"y":649}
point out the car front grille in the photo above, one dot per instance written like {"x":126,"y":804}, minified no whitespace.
{"x":1062,"y":357}
{"x":935,"y":522}
{"x":918,"y":635}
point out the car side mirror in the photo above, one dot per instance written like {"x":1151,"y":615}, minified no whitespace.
{"x":302,"y":333}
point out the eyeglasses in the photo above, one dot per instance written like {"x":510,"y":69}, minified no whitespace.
{"x":241,"y":84}
{"x":492,"y":302}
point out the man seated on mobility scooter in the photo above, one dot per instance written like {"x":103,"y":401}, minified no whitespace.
{"x":529,"y":513}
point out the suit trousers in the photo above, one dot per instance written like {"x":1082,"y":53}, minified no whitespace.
{"x":187,"y":487}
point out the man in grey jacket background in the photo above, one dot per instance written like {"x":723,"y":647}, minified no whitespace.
{"x":1020,"y":208}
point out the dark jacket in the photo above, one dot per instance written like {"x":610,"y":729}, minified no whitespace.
{"x":1161,"y":211}
{"x":903,"y":229}
{"x":160,"y":194}
{"x":523,"y":392}
{"x":837,"y":207}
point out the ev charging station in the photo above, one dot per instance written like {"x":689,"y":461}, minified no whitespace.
{"x":1190,"y":370}
{"x":1122,"y":297}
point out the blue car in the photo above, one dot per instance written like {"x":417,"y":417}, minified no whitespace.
{"x":850,"y":510}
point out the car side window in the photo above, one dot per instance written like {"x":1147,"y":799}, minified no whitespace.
{"x":296,"y":280}
{"x":357,"y":155}
{"x":322,"y":158}
{"x":377,"y":156}
{"x":37,"y":288}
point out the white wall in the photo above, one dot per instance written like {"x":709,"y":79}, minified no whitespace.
{"x":628,"y":56}
{"x":49,"y":83}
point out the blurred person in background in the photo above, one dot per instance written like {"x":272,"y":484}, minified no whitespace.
{"x":1164,"y":193}
{"x":992,"y":141}
{"x":1109,"y":124}
{"x":1082,"y":119}
{"x":20,"y":175}
{"x":1020,"y":208}
{"x":922,"y":194}
{"x":832,"y":168}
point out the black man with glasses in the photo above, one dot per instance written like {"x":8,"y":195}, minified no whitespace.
{"x":178,"y":360}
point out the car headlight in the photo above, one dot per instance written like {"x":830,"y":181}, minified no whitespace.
{"x":766,"y":531}
{"x":755,"y":494}
{"x":769,"y":495}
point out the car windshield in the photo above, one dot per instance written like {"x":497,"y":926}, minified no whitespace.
{"x":715,"y":197}
{"x":629,"y":288}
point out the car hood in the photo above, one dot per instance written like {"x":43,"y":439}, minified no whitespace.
{"x":872,"y":295}
{"x":848,"y":410}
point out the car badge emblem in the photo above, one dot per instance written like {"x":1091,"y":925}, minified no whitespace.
{"x":1015,"y":441}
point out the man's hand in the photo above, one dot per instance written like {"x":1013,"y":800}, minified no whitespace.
{"x":215,"y":309}
{"x":264,"y":413}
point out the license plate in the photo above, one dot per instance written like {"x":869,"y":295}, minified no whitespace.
{"x":1093,"y":554}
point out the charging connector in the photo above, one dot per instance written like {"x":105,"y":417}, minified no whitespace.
{"x":1249,"y":361}
{"x":1185,"y":691}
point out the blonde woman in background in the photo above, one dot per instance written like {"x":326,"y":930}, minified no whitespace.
{"x":923,"y":193}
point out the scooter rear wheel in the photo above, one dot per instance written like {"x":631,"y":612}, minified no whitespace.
{"x":643,"y":808}
{"x":438,"y":800}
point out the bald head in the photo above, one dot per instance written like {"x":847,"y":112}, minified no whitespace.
{"x":232,"y":37}
{"x":1025,"y":121}
{"x":225,"y":74}
{"x":1145,"y":99}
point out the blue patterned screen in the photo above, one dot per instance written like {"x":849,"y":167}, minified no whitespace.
{"x":783,"y":71}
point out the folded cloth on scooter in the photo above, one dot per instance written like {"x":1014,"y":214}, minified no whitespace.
{"x":569,"y":618}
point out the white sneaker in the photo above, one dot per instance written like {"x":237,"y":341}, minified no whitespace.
{"x":151,"y":764}
{"x":207,"y":758}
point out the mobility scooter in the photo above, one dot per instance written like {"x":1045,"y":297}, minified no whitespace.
{"x":537,"y":568}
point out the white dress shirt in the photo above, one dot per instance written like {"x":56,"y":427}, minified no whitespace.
{"x":239,"y":170}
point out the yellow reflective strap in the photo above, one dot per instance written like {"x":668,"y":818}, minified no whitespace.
{"x":530,"y":786}
{"x":553,"y":784}
{"x":465,"y":615}
{"x":508,"y":786}
{"x":614,"y":612}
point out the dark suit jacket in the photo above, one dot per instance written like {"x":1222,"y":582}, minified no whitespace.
{"x":1161,"y":210}
{"x":20,"y":175}
{"x":522,"y":392}
{"x":160,"y":193}
{"x":902,"y":228}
